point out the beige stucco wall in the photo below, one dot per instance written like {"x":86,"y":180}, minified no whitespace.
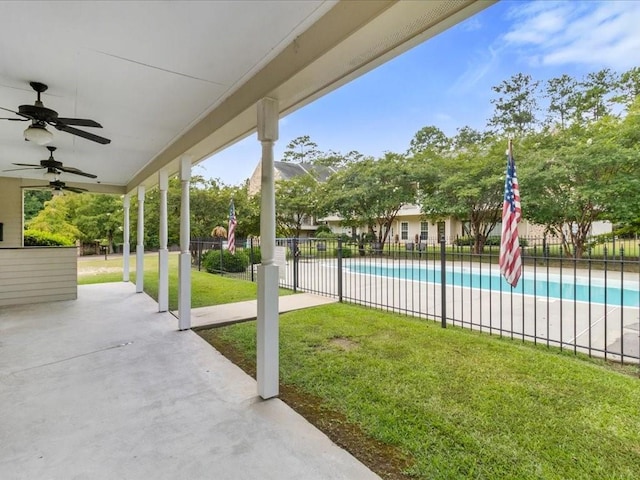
{"x":11,"y":212}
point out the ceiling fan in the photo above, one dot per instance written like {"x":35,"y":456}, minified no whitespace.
{"x":57,"y":187}
{"x":54,"y":168}
{"x":40,"y":116}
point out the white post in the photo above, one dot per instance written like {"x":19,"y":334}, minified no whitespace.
{"x":126,"y":247}
{"x":163,"y":252}
{"x":267,"y":341}
{"x":140,"y":244}
{"x":184,"y":282}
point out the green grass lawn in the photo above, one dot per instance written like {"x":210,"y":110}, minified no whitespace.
{"x":206,"y":289}
{"x":457,"y":403}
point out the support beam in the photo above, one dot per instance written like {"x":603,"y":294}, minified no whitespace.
{"x":267,"y":341}
{"x":126,"y":247}
{"x":140,"y":242}
{"x":163,"y":251}
{"x":184,"y":282}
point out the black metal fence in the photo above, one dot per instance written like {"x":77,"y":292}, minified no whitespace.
{"x":588,"y":305}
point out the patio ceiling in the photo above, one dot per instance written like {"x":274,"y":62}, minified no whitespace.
{"x":172,"y":78}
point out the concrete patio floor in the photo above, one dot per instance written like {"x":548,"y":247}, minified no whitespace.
{"x":105,"y":387}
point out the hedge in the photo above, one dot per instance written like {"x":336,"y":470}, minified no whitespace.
{"x":215,"y":262}
{"x":38,"y":238}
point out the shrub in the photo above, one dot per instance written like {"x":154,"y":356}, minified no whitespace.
{"x":346,"y":252}
{"x":216,"y":262}
{"x":325,"y":235}
{"x":38,"y":238}
{"x":254,"y":255}
{"x":323,"y":229}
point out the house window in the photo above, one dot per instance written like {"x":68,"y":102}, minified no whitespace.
{"x":404,"y":231}
{"x":424,"y":231}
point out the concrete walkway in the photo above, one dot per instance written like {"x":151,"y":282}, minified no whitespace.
{"x":219,"y":315}
{"x":105,"y":387}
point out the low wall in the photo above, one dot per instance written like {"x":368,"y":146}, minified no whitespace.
{"x":38,"y":274}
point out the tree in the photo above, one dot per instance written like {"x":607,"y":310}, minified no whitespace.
{"x":516,"y":105}
{"x":370,"y":193}
{"x":99,"y":217}
{"x":468,"y":185}
{"x":296,"y":200}
{"x":336,"y":159}
{"x":429,"y":138}
{"x":628,"y":87}
{"x":56,"y":218}
{"x":561,"y":92}
{"x":301,"y":149}
{"x":34,"y":201}
{"x":593,"y":101}
{"x":466,"y":137}
{"x":583,"y":174}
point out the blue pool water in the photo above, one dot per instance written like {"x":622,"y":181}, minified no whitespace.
{"x":541,"y":287}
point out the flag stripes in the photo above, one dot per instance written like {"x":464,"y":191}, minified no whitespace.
{"x":510,"y":262}
{"x":231,"y":236}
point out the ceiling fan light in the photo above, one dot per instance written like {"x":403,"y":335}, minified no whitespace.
{"x":38,"y":134}
{"x":51,"y":175}
{"x":56,"y":192}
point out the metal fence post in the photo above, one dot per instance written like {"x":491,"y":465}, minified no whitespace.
{"x":221,"y":257}
{"x":251,"y":257}
{"x":296,"y":256}
{"x":340,"y":269}
{"x":443,"y":281}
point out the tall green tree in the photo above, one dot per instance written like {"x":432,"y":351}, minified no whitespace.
{"x":628,"y":87}
{"x":56,"y":217}
{"x":581,"y":175}
{"x":301,"y":150}
{"x":429,"y":138}
{"x":467,"y":185}
{"x":370,"y":193}
{"x":296,"y":202}
{"x":515,"y":105}
{"x":595,"y":97}
{"x":34,"y":201}
{"x":561,"y":92}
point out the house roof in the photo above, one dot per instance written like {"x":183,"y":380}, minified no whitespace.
{"x":289,"y":170}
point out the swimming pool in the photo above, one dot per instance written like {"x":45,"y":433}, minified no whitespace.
{"x":580,"y":290}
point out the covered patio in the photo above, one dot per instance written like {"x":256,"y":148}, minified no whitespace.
{"x":104,"y":387}
{"x":104,"y":382}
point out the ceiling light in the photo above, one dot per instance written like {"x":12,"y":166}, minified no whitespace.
{"x":51,"y":174}
{"x":38,"y":134}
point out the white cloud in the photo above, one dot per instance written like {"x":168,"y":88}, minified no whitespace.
{"x":601,"y":34}
{"x":482,"y":63}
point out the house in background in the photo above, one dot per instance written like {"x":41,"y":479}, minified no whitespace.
{"x":287,"y":171}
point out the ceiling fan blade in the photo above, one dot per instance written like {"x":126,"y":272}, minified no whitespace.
{"x":26,"y":117}
{"x":27,"y":165}
{"x":80,"y":122}
{"x":25,"y":168}
{"x":16,"y":119}
{"x":83,"y":134}
{"x":74,"y":189}
{"x":76,"y":171}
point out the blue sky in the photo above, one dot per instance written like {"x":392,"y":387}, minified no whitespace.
{"x":447,"y":80}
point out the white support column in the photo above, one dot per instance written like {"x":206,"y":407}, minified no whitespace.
{"x":140,"y":244}
{"x":184,"y":282}
{"x":126,"y":247}
{"x":267,"y":341}
{"x":163,"y":252}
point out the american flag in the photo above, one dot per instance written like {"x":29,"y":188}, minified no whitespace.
{"x":231,"y":237}
{"x":510,"y":263}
